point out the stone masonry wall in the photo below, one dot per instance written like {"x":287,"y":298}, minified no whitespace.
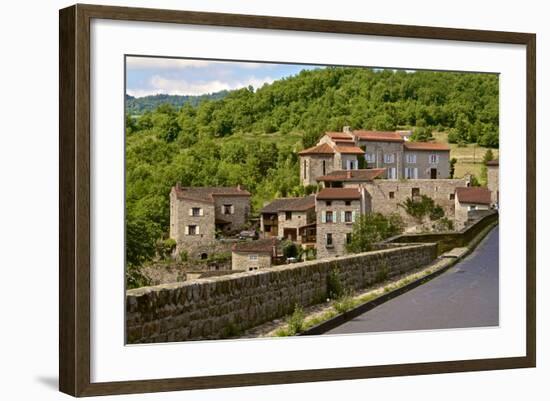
{"x":243,"y":260}
{"x":220,"y":307}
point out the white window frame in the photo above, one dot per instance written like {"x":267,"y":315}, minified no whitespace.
{"x":411,"y":173}
{"x":253,"y":257}
{"x":392,"y":173}
{"x":433,"y":158}
{"x":389,"y":158}
{"x":411,"y":158}
{"x":370,"y":157}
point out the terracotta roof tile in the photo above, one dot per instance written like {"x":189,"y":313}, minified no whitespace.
{"x":350,"y":150}
{"x":478,"y":195}
{"x":426,"y":146}
{"x":290,"y":204}
{"x":268,"y":245}
{"x":352,"y":175}
{"x":339,"y":194}
{"x":339,"y":135}
{"x":383,"y":136}
{"x":207,"y":194}
{"x":323,"y":149}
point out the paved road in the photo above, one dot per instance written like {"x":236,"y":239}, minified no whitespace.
{"x":464,"y":296}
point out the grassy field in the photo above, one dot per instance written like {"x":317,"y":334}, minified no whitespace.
{"x":469,"y":158}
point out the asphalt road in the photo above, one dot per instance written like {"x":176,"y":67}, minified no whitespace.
{"x":467,"y":295}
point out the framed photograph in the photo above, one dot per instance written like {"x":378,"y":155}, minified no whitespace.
{"x":251,"y":200}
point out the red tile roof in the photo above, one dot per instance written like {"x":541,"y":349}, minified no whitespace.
{"x":477,"y":195}
{"x":350,"y":150}
{"x":323,"y":149}
{"x":339,"y":194}
{"x":492,"y":163}
{"x":426,"y":146}
{"x":207,"y":194}
{"x":257,"y":246}
{"x":382,"y":136}
{"x":353,"y":175}
{"x":290,"y":205}
{"x":339,"y":135}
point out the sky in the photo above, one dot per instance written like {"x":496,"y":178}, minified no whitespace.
{"x":151,"y":75}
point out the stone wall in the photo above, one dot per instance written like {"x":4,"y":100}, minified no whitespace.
{"x":492,"y":182}
{"x":221,"y":307}
{"x":452,"y":239}
{"x":240,"y":206}
{"x":385,"y":196}
{"x":313,"y":165}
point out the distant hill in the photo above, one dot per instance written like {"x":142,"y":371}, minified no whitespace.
{"x":140,"y":105}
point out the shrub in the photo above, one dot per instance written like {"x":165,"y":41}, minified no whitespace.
{"x":290,"y":250}
{"x":135,"y":278}
{"x":344,"y":304}
{"x":165,"y":247}
{"x":335,"y":289}
{"x":184,"y":256}
{"x":373,"y":227}
{"x":296,"y":320}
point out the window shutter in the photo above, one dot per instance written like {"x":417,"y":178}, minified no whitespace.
{"x":353,"y":216}
{"x":232,"y":209}
{"x":186,"y":230}
{"x":416,"y":173}
{"x":323,"y":217}
{"x":191,"y":212}
{"x":201,"y":213}
{"x":197,"y":231}
{"x":343,"y":216}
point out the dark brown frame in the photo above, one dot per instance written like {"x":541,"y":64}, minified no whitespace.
{"x":74,"y":199}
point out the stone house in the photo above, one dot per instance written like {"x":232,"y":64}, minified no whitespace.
{"x":337,"y":209}
{"x":468,"y":201}
{"x":196,"y":213}
{"x":324,"y":158}
{"x":290,"y":218}
{"x":492,"y":180}
{"x":392,"y":151}
{"x":254,"y":255}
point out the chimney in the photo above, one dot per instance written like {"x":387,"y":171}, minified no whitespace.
{"x":347,"y":129}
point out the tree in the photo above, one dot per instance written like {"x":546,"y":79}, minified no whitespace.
{"x":370,"y":228}
{"x":452,"y":163}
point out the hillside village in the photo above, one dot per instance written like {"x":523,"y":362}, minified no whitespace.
{"x":347,"y":174}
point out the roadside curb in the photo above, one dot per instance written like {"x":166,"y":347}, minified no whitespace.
{"x":336,"y":321}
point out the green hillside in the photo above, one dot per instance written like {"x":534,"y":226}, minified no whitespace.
{"x":138,"y":105}
{"x":251,"y":137}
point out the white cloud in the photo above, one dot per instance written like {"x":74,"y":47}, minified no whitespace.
{"x":142,"y":63}
{"x":168,"y":86}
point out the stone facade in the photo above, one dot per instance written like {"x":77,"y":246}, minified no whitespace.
{"x":219,"y":307}
{"x":196,"y":213}
{"x":250,"y":260}
{"x":285,"y":217}
{"x":312,"y":166}
{"x":492,"y":180}
{"x":469,"y":202}
{"x":385,"y":196}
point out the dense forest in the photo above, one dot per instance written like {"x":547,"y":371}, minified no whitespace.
{"x":139,"y":105}
{"x":250,"y":137}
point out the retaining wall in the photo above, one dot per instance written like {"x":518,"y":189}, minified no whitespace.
{"x":224,"y":306}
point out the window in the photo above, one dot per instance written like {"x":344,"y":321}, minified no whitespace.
{"x":451,"y":196}
{"x":391,"y":195}
{"x":252,"y":268}
{"x":348,"y":238}
{"x":389,"y":158}
{"x":415,"y":192}
{"x":348,"y":203}
{"x":305,"y":169}
{"x":196,"y":211}
{"x":324,"y":167}
{"x":347,"y":216}
{"x":411,"y":158}
{"x":434,"y":159}
{"x":253,"y":257}
{"x":392,"y":173}
{"x":328,"y":203}
{"x":192,"y":230}
{"x":328,"y":217}
{"x":329,"y":240}
{"x":370,"y":157}
{"x":227,"y":209}
{"x":472,"y":207}
{"x":288,"y":215}
{"x":204,"y":256}
{"x":411,"y":172}
{"x":350,"y":165}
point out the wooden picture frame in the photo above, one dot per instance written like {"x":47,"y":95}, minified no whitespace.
{"x":74,"y":199}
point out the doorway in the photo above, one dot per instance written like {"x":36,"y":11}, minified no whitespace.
{"x":433,"y":173}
